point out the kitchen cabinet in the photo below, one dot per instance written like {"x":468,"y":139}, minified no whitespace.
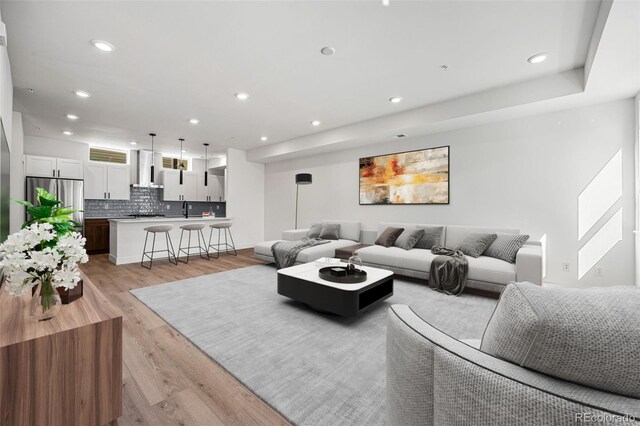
{"x":106,"y":181}
{"x":39,"y":166}
{"x":96,"y":231}
{"x":173,"y":191}
{"x":214,"y":191}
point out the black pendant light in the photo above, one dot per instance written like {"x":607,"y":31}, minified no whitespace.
{"x":153,"y":135}
{"x":181,"y":165}
{"x":206,"y":163}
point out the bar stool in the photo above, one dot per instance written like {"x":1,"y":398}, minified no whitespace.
{"x":197,"y":227}
{"x":220,"y":226}
{"x":170,"y":251}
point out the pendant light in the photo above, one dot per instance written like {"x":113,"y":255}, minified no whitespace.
{"x":206,"y":163}
{"x":181,"y":165}
{"x":153,"y":135}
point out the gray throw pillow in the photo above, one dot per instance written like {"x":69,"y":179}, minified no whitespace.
{"x":330,"y":231}
{"x":476,"y":243}
{"x":587,"y":336}
{"x":389,"y":236}
{"x":506,"y":247}
{"x":314,"y":230}
{"x":408,"y":239}
{"x":430,"y":237}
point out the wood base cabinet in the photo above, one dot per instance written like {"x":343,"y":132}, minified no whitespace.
{"x":64,"y":371}
{"x":96,"y":231}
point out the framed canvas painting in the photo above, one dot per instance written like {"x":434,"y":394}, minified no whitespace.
{"x":413,"y":177}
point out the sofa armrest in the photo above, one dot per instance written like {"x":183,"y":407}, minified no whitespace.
{"x":529,"y":264}
{"x":434,"y":379}
{"x":294,"y":234}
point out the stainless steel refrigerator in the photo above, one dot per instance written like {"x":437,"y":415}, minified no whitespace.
{"x":69,"y":191}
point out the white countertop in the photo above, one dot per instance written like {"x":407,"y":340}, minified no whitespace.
{"x":169,"y":219}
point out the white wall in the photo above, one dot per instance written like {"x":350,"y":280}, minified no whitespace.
{"x":6,"y":94}
{"x":524,"y":173}
{"x":245,"y":194}
{"x":637,"y":188}
{"x":59,"y":148}
{"x":16,"y":214}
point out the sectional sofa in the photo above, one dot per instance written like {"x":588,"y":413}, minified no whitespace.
{"x":485,"y":273}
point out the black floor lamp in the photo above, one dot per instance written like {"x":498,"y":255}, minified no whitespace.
{"x":301,"y":179}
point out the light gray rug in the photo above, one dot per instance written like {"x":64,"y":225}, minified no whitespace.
{"x":315,"y":369}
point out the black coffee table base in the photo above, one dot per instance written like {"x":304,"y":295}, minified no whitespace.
{"x":333,"y":300}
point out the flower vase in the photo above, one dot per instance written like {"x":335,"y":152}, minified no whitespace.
{"x":46,"y":302}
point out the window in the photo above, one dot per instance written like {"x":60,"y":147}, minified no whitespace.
{"x":175,"y":163}
{"x":107,"y":155}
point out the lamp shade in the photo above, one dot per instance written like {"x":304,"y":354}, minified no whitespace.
{"x":303,"y":178}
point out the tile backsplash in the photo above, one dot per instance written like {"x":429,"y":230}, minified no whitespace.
{"x":146,"y":201}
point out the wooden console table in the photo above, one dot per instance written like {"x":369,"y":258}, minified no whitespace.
{"x":64,"y":371}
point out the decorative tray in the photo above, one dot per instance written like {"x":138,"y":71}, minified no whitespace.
{"x":339,"y":274}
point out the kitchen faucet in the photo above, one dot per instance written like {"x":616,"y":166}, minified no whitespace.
{"x":185,"y":208}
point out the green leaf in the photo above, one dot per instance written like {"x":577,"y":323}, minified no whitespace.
{"x":46,"y":199}
{"x":39,"y":212}
{"x":24,"y":203}
{"x":63,"y":211}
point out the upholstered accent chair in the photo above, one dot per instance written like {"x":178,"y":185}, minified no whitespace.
{"x":548,"y":357}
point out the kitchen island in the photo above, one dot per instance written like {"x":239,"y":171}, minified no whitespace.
{"x":126,"y":236}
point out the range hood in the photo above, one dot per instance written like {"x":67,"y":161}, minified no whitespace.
{"x":144,"y":160}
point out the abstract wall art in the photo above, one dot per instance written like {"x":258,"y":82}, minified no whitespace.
{"x":413,"y":177}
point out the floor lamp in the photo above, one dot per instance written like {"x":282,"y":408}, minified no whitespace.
{"x":301,"y":179}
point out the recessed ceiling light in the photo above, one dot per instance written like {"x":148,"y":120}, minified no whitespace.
{"x":133,"y":143}
{"x":105,"y":46}
{"x":327,"y":51}
{"x":316,"y":123}
{"x":67,"y":132}
{"x":184,"y":150}
{"x":395,"y":99}
{"x":386,"y":2}
{"x":72,"y":116}
{"x":82,"y":93}
{"x":401,"y":135}
{"x":537,"y":58}
{"x":264,"y":138}
{"x":242,"y":96}
{"x":194,"y":121}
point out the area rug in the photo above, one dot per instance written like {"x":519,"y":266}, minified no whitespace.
{"x":315,"y":369}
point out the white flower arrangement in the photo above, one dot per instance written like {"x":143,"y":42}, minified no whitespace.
{"x":33,"y":255}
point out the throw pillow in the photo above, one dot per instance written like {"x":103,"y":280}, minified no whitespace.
{"x":408,"y":239}
{"x":430,"y":237}
{"x":586,"y":336}
{"x":314,"y":230}
{"x":330,"y":231}
{"x":389,"y":236}
{"x":506,"y":247}
{"x":476,"y":243}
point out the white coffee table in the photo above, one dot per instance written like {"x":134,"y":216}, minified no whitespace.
{"x":302,"y":283}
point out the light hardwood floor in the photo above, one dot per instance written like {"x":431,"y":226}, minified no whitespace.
{"x":166,"y":379}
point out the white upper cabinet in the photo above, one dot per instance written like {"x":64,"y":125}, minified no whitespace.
{"x":70,"y":169}
{"x":39,"y":166}
{"x":173,"y":191}
{"x":202,"y":191}
{"x":214,"y":191}
{"x":189,"y":190}
{"x":105,"y":181}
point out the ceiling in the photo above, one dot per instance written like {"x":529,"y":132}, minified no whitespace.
{"x":180,"y":60}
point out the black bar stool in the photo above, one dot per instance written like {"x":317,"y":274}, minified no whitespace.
{"x":220,"y":226}
{"x":197,"y":227}
{"x":170,"y":252}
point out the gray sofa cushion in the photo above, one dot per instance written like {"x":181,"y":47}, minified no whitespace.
{"x":408,"y":239}
{"x":476,"y":243}
{"x":389,"y":236}
{"x":349,"y":229}
{"x":586,"y":336}
{"x":432,"y":236}
{"x":330,"y":231}
{"x":506,"y":247}
{"x":314,"y":230}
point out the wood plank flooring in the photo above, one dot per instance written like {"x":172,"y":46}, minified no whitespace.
{"x":166,"y":379}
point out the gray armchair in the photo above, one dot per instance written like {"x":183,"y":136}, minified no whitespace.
{"x":434,"y":379}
